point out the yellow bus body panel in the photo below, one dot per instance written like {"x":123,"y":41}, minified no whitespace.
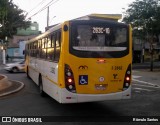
{"x":110,"y":73}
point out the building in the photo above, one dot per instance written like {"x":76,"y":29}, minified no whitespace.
{"x":17,"y":43}
{"x":142,"y":49}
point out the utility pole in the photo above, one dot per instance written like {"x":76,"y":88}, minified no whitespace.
{"x":47,"y":16}
{"x":3,"y":14}
{"x":4,"y":56}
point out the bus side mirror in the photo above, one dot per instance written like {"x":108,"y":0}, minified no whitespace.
{"x":23,"y":52}
{"x":65,"y":27}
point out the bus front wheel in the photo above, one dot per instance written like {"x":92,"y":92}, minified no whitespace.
{"x":28,"y":72}
{"x":42,"y":93}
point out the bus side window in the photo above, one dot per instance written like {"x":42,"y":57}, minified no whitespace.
{"x":46,"y":46}
{"x":27,"y":50}
{"x":31,"y":49}
{"x":39,"y":49}
{"x":35,"y":49}
{"x":58,"y":45}
{"x":50,"y":49}
{"x":43,"y":52}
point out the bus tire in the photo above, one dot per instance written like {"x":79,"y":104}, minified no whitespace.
{"x":41,"y":92}
{"x":28,"y":73}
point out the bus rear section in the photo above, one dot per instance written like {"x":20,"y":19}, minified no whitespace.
{"x":98,"y":64}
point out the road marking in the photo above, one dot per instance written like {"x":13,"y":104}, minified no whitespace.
{"x":135,"y":77}
{"x":148,"y":86}
{"x":147,"y":83}
{"x":143,"y":89}
{"x":135,"y":71}
{"x":143,"y":84}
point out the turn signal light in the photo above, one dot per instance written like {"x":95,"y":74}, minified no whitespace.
{"x":69,"y":79}
{"x":127,"y":79}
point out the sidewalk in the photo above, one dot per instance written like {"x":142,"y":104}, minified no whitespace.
{"x":14,"y":86}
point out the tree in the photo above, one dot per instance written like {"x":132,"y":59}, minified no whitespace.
{"x":11,"y":18}
{"x":144,"y":16}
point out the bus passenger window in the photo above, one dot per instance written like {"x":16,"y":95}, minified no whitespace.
{"x":58,"y":43}
{"x":49,"y":43}
{"x":39,"y":48}
{"x":35,"y":46}
{"x":28,"y":49}
{"x":31,"y":49}
{"x":50,"y":53}
{"x":43,"y":52}
{"x":50,"y":48}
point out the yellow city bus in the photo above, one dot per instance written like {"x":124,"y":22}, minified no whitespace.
{"x":82,"y":60}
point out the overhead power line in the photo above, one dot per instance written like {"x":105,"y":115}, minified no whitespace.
{"x":37,"y":5}
{"x":43,"y":8}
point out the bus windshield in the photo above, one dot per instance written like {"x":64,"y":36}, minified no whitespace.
{"x":99,"y":40}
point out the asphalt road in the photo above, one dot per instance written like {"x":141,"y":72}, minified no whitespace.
{"x":145,"y":102}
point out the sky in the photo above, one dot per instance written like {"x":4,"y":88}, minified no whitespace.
{"x":62,"y":10}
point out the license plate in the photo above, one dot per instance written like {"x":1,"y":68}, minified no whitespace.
{"x":100,"y":86}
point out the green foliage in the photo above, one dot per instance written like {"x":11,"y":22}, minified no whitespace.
{"x":11,"y":18}
{"x":144,"y":16}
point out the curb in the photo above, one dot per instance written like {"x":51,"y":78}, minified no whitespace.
{"x":15,"y":90}
{"x":4,"y":83}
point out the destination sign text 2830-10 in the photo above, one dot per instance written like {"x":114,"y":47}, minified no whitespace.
{"x":101,"y":30}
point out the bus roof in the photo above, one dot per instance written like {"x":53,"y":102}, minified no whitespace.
{"x":113,"y":17}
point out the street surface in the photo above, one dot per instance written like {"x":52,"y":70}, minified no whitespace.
{"x":145,"y":100}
